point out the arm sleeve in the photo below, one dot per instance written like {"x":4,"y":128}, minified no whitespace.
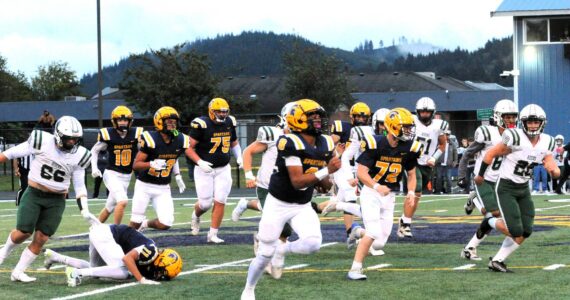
{"x":78,"y":178}
{"x":98,"y":147}
{"x":18,"y":151}
{"x":468,"y":154}
{"x":176,"y":168}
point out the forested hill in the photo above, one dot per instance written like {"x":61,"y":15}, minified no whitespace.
{"x":261,"y":53}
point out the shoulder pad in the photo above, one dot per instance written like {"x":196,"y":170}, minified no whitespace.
{"x":444,"y":126}
{"x":233,"y":119}
{"x":369,"y":141}
{"x":36,"y":139}
{"x":336,"y":127}
{"x":266,"y":134}
{"x":103,"y":135}
{"x":290,"y":141}
{"x":330,"y":142}
{"x":416,"y":146}
{"x":138,"y":132}
{"x":185,"y":141}
{"x":511,"y":137}
{"x":85,"y":158}
{"x":551,"y":144}
{"x":148,"y":140}
{"x":482,"y":134}
{"x":198,"y":123}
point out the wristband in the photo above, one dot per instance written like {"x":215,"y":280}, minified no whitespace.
{"x":322,"y":173}
{"x":249,"y":175}
{"x":482,"y":169}
{"x":411,"y":193}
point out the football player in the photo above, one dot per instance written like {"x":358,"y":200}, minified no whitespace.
{"x":305,"y":157}
{"x":58,"y":158}
{"x":561,"y":155}
{"x":430,"y":133}
{"x":522,"y":150}
{"x":380,"y":169}
{"x":117,"y":252}
{"x":155,"y":163}
{"x":121,"y":141}
{"x":505,"y":117}
{"x":211,"y":139}
{"x":378,"y":121}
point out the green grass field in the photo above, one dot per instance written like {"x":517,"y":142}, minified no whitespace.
{"x":423,"y":268}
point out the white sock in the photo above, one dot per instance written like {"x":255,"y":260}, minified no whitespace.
{"x":7,"y":249}
{"x":349,"y":207}
{"x":507,"y":248}
{"x":213,"y":231}
{"x":406,"y":220}
{"x":25,"y":261}
{"x":104,"y":272}
{"x":356,"y":265}
{"x":242,"y":205}
{"x":69,"y":261}
{"x":255,"y":270}
{"x":475,"y":242}
{"x":493,"y":223}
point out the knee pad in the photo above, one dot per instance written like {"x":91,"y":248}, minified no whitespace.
{"x":266,"y":249}
{"x":378,"y":244}
{"x":205,"y":204}
{"x":311,"y":244}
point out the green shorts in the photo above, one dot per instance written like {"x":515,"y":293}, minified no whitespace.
{"x":423,"y":176}
{"x":516,"y":207}
{"x":486,"y":193}
{"x":40,"y":211}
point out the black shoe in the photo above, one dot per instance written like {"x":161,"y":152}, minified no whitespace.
{"x":484,"y":228}
{"x":470,"y":205}
{"x":498,"y":266}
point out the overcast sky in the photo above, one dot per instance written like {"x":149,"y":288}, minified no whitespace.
{"x":36,"y":32}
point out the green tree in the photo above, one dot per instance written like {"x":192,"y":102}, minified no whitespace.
{"x":172,"y":77}
{"x":314,"y":75}
{"x":54,"y":82}
{"x":13,"y":86}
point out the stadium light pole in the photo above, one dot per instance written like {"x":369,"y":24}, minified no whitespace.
{"x":99,"y":71}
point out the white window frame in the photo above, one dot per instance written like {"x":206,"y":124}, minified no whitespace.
{"x":548,"y":42}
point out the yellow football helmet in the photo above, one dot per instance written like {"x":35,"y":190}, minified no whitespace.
{"x":360,"y":109}
{"x":298,"y":118}
{"x":218,"y":109}
{"x":400,"y":123}
{"x":165,"y":112}
{"x":121,"y":112}
{"x":167,"y":265}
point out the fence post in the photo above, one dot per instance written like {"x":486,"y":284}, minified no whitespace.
{"x":237,"y":175}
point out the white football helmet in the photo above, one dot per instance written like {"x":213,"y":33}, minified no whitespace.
{"x":378,"y":117}
{"x":284,"y":112}
{"x":559,"y":139}
{"x":67,"y":128}
{"x":504,"y":107}
{"x":533,"y":112}
{"x":425,"y":104}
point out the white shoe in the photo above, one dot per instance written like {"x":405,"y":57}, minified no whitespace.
{"x":144,"y":226}
{"x":48,"y":260}
{"x":73,"y":279}
{"x":255,"y":243}
{"x":214,"y":239}
{"x":404,"y":230}
{"x":248,"y":294}
{"x":240,"y":208}
{"x":195,"y":225}
{"x":331,"y":207}
{"x":470,"y":253}
{"x":21,"y":277}
{"x":375,"y":252}
{"x":356,"y":274}
{"x":277,"y":264}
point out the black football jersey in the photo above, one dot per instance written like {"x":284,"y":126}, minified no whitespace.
{"x":214,"y":140}
{"x":312,"y":158}
{"x":342,"y":129}
{"x":387,"y":164}
{"x":152,"y":144}
{"x":122,"y":151}
{"x":129,"y":238}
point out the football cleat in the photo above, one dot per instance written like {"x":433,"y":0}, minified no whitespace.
{"x":352,"y":237}
{"x":331,"y":207}
{"x":240,"y":208}
{"x":484,"y":228}
{"x":214,"y":239}
{"x":73,"y":279}
{"x":470,"y":253}
{"x":404,"y":230}
{"x":375,"y":252}
{"x":356,"y":274}
{"x":48,"y":261}
{"x":195,"y":224}
{"x":470,"y":205}
{"x":21,"y":277}
{"x":498,"y":266}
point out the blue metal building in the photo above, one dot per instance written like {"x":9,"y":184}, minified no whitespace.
{"x":541,"y":66}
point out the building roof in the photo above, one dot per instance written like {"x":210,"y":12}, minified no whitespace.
{"x":519,"y":8}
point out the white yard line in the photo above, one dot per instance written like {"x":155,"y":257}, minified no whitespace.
{"x":380,"y":266}
{"x":553,"y":267}
{"x":293,"y":267}
{"x":465,"y":267}
{"x":53,"y":268}
{"x":125,"y":285}
{"x":328,"y":244}
{"x":554,"y":207}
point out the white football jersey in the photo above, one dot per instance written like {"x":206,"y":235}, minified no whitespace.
{"x":52,"y":167}
{"x":358,"y":137}
{"x":490,"y":136}
{"x":517,"y":166}
{"x":269,"y":136}
{"x":428,"y":136}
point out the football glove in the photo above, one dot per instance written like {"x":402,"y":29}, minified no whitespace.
{"x":180,"y":183}
{"x":148,"y":281}
{"x":96,"y":173}
{"x":462,"y":183}
{"x":239,"y":162}
{"x":205,"y":166}
{"x":158,"y":164}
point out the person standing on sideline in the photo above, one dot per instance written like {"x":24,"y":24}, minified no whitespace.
{"x":21,"y":170}
{"x":444,"y":165}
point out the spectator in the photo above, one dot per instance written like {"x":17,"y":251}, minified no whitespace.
{"x":566,"y":171}
{"x":444,"y":165}
{"x":46,"y":121}
{"x":470,"y":168}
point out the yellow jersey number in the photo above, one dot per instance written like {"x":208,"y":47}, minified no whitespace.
{"x":393,"y":170}
{"x":123,"y":157}
{"x":163,"y":173}
{"x":217,"y":141}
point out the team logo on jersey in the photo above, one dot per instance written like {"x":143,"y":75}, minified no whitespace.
{"x":531,"y":157}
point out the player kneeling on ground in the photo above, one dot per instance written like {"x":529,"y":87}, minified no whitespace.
{"x":116,"y":252}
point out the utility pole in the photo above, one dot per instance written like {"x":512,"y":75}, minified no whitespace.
{"x":99,"y":71}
